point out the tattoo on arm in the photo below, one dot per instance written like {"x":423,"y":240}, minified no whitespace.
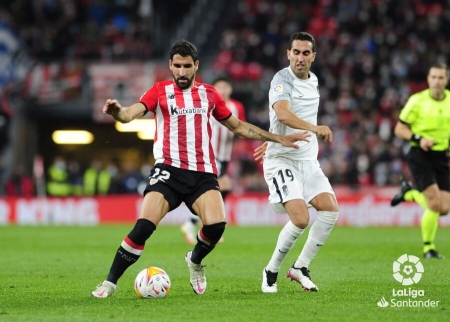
{"x":258,"y":135}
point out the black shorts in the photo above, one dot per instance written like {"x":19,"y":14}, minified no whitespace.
{"x":179,"y":185}
{"x":222,"y":167}
{"x":429,"y":168}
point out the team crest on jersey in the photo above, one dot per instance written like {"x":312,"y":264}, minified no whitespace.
{"x":202,"y":95}
{"x":153,"y":181}
{"x":278,"y":89}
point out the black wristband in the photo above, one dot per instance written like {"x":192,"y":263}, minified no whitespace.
{"x":416,"y":138}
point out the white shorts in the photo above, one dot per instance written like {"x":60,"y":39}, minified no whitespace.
{"x":289,"y":179}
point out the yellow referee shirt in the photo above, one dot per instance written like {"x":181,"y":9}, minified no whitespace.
{"x":429,"y":118}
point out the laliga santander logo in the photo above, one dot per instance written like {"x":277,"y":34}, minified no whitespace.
{"x":407,"y":269}
{"x":278,"y":89}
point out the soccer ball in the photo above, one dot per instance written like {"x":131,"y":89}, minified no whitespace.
{"x":151,"y":283}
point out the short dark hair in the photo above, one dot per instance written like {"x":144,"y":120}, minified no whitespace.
{"x":221,"y":78}
{"x":302,"y":35}
{"x":184,"y":48}
{"x":439,"y":65}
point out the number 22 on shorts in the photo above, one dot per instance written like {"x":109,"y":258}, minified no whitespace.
{"x":159,"y":175}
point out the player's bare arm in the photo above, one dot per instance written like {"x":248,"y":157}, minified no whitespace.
{"x":251,"y":131}
{"x":289,"y":118}
{"x":123,"y":114}
{"x":402,"y":130}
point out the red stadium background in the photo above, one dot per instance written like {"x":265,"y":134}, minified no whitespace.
{"x":365,"y":207}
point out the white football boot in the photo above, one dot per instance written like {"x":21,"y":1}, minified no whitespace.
{"x":197,"y":275}
{"x":189,"y":232}
{"x":104,"y":289}
{"x":301,"y":276}
{"x":269,"y":283}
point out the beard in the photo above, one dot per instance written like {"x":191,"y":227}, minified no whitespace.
{"x":186,"y":84}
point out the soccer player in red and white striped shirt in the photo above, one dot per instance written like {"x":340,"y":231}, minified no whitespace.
{"x":222,"y":142}
{"x":185,"y":168}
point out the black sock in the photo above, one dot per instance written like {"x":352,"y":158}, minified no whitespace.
{"x":207,"y":238}
{"x":121,"y":262}
{"x":131,"y":248}
{"x":200,"y":251}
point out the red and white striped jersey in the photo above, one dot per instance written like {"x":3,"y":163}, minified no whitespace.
{"x":183,"y":128}
{"x":221,"y":137}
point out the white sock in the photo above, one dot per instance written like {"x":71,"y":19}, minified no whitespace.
{"x":318,"y":234}
{"x":286,"y":240}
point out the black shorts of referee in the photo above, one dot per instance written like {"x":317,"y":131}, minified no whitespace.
{"x":429,"y":167}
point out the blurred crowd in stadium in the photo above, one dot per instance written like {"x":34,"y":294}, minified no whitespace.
{"x":372,"y":55}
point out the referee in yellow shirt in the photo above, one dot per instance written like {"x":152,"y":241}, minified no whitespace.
{"x":425,"y":122}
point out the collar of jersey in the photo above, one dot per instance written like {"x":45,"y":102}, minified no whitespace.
{"x":302,"y":80}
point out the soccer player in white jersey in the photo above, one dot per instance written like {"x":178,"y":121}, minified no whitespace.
{"x":222,"y":142}
{"x":185,"y":165}
{"x":294,"y":177}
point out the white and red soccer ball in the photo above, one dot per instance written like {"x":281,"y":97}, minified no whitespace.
{"x":152,"y":282}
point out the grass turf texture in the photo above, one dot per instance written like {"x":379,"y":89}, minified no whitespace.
{"x":47,"y":274}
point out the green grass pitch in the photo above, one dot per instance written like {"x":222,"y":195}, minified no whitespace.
{"x":47,"y":274}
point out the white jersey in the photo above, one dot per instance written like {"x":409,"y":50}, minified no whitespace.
{"x":304,"y":98}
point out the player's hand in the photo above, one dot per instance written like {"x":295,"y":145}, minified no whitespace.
{"x":426,"y":144}
{"x":111,"y":107}
{"x":289,"y":140}
{"x":260,"y":151}
{"x":324,"y":132}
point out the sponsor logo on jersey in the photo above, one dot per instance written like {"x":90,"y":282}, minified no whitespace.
{"x":175,"y":110}
{"x":278,"y":89}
